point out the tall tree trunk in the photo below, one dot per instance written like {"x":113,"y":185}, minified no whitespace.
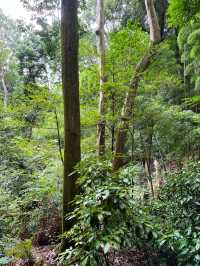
{"x":5,"y":90}
{"x":70,"y":82}
{"x":113,"y":96}
{"x":113,"y":124}
{"x":58,"y":136}
{"x":155,"y":33}
{"x":128,"y":108}
{"x":100,"y":33}
{"x":161,"y":9}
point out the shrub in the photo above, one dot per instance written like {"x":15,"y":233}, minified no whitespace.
{"x":21,"y":250}
{"x":179,"y":210}
{"x":110,"y":214}
{"x":103,"y":213}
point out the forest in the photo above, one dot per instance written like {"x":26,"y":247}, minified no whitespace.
{"x":100,"y":133}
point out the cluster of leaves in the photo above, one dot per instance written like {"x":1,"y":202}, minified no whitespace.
{"x":180,"y":12}
{"x":21,"y":250}
{"x":103,"y":213}
{"x":30,"y":169}
{"x":111,"y":214}
{"x":30,"y":190}
{"x":189,"y":46}
{"x":178,"y":207}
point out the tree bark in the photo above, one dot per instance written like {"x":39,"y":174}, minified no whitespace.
{"x":70,"y":84}
{"x":128,"y":108}
{"x":161,"y":9}
{"x":155,"y":32}
{"x":59,"y":137}
{"x":5,"y":90}
{"x":100,"y":33}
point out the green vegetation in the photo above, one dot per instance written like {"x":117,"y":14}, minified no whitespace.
{"x":101,"y":157}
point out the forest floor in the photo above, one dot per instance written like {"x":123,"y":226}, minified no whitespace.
{"x":46,"y":256}
{"x":132,"y":257}
{"x":42,"y":256}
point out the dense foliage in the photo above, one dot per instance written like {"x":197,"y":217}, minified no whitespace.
{"x":150,"y":205}
{"x":178,"y":206}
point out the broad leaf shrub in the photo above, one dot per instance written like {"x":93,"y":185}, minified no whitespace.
{"x":104,"y":213}
{"x":111,"y":214}
{"x":178,"y":209}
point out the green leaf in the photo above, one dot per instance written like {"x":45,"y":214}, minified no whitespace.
{"x":93,"y":261}
{"x":4,"y":261}
{"x":84,"y":262}
{"x":106,"y":248}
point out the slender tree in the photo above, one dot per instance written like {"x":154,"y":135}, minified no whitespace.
{"x":70,"y":82}
{"x":100,"y":33}
{"x":5,"y":89}
{"x":128,"y":108}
